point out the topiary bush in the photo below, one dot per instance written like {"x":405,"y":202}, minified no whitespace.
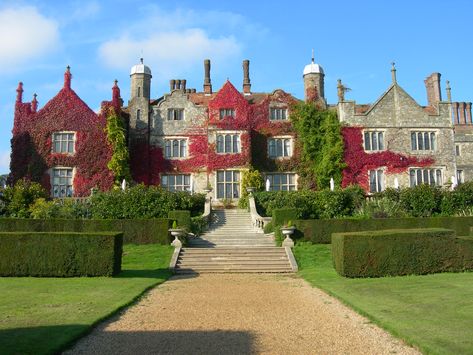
{"x":60,"y":254}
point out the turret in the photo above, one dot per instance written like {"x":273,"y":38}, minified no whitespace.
{"x":139,"y":96}
{"x":314,"y":83}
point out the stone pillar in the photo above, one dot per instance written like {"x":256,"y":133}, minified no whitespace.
{"x":246,"y":77}
{"x":207,"y":82}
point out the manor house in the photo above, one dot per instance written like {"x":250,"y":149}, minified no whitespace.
{"x":193,"y":140}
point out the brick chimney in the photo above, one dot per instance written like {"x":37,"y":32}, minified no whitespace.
{"x":461,"y":109}
{"x":468,"y":113}
{"x":207,"y":82}
{"x":246,"y":77}
{"x":432,"y":85}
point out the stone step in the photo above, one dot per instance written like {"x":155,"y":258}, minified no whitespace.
{"x":233,"y":270}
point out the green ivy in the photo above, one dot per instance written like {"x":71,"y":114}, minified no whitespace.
{"x":320,"y":139}
{"x":119,"y":163}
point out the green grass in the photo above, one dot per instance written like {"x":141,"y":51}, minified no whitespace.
{"x":432,"y":312}
{"x":45,"y":315}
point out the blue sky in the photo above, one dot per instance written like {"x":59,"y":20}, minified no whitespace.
{"x":353,"y":40}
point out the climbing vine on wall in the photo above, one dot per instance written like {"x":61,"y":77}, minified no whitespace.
{"x":116,"y":137}
{"x":321,"y":144}
{"x":358,"y":162}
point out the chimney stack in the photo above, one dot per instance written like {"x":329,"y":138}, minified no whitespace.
{"x":172,"y":83}
{"x":183,"y":84}
{"x":455,"y":113}
{"x":462,"y":118}
{"x":432,"y":85}
{"x":468,"y":113}
{"x":207,"y":82}
{"x":19,"y":92}
{"x":34,"y":103}
{"x":246,"y":77}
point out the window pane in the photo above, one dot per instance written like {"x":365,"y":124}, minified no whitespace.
{"x":432,"y":141}
{"x":291,"y":179}
{"x":438,"y":174}
{"x":374,"y":141}
{"x":228,"y":143}
{"x":187,"y":180}
{"x":235,"y":143}
{"x":431,"y":177}
{"x":372,"y":181}
{"x":279,"y":147}
{"x":419,"y":176}
{"x":236,"y":176}
{"x":412,"y":177}
{"x":272,"y":148}
{"x":220,"y":176}
{"x":219,"y":143}
{"x":287,"y":147}
{"x":426,"y":176}
{"x":228,"y":176}
{"x":164,"y":180}
{"x":220,"y":191}
{"x":367,"y":141}
{"x":175,"y":148}
{"x":228,"y":190}
{"x":70,"y":147}
{"x":413,"y":141}
{"x":381,"y":140}
{"x":420,"y":141}
{"x":426,"y":141}
{"x":236,"y":190}
{"x":63,"y":146}
{"x":380,"y":180}
{"x":183,"y":148}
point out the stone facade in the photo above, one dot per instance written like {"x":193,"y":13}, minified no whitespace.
{"x":189,"y":140}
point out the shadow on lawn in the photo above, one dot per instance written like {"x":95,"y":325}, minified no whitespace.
{"x":163,"y":274}
{"x":52,"y":339}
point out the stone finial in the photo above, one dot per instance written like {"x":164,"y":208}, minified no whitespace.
{"x":116,"y":94}
{"x":19,"y":92}
{"x":449,"y":91}
{"x":34,"y":103}
{"x":313,"y":57}
{"x":141,"y":60}
{"x":341,"y":90}
{"x":67,"y":78}
{"x":393,"y":72}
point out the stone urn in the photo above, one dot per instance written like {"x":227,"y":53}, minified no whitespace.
{"x":207,"y":190}
{"x":250,"y":189}
{"x":176,"y":233}
{"x":288,"y":232}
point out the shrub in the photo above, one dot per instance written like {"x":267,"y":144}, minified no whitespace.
{"x":380,"y":208}
{"x":284,"y":215}
{"x":198,"y":225}
{"x":268,"y":227}
{"x":63,"y":254}
{"x":421,"y":200}
{"x":143,"y":202}
{"x":250,"y":178}
{"x":312,"y":204}
{"x":182,"y":218}
{"x":21,"y":196}
{"x":399,"y":252}
{"x":59,"y":208}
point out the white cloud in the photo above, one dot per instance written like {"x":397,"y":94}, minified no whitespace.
{"x":175,"y":42}
{"x":25,"y":34}
{"x":167,"y":50}
{"x":4,"y":162}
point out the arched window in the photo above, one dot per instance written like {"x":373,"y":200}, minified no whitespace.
{"x":138,"y":91}
{"x":138,"y":115}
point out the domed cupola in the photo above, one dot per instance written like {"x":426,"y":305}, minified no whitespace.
{"x":314,"y":83}
{"x":140,"y":68}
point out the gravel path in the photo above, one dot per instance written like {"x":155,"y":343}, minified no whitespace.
{"x":238,"y":314}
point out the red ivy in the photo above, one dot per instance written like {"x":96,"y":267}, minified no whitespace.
{"x":32,"y":140}
{"x":359,"y":162}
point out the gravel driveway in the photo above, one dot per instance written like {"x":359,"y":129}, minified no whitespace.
{"x":238,"y":314}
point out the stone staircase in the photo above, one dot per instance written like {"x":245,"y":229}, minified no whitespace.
{"x":232,"y":245}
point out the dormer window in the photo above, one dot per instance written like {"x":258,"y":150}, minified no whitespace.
{"x":278,"y":113}
{"x":175,"y":114}
{"x":227,"y":112}
{"x":63,"y":142}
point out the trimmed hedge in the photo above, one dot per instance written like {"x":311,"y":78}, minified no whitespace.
{"x":182,"y":218}
{"x":320,"y":230}
{"x":136,"y":231}
{"x":400,"y":252}
{"x":53,"y":254}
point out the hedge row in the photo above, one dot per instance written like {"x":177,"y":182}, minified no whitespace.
{"x":136,"y":231}
{"x":320,"y":230}
{"x":400,"y":252}
{"x":66,"y":254}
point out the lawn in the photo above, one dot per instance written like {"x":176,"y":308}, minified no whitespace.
{"x":45,"y":315}
{"x":432,"y":312}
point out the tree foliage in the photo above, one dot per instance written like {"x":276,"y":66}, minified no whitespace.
{"x":319,"y":136}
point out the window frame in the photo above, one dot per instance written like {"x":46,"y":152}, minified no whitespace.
{"x":460,"y":175}
{"x":280,"y":183}
{"x":233,"y":185}
{"x":283,"y":110}
{"x":278,"y":144}
{"x":419,"y":173}
{"x":420,"y":144}
{"x":171,"y":114}
{"x":379,"y":180}
{"x":183,"y":186}
{"x":53,"y":141}
{"x":226,"y":112}
{"x":458,"y":150}
{"x":66,"y":193}
{"x":173,"y":146}
{"x":374,"y":135}
{"x":226,"y":142}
